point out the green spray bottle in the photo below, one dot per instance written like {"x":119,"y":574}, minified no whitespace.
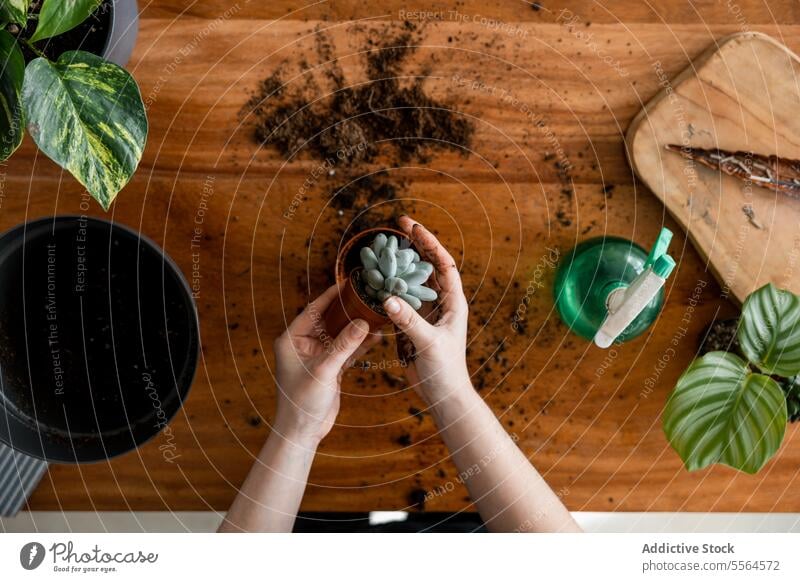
{"x":610,"y":289}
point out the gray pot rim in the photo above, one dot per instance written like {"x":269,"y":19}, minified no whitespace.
{"x":122,"y":33}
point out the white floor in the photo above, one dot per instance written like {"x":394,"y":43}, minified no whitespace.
{"x":200,"y":521}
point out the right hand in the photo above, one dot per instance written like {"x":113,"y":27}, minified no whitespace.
{"x":309,"y":371}
{"x":439,"y":368}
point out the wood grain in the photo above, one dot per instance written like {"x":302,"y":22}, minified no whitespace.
{"x":588,"y":419}
{"x":740,"y":13}
{"x":741,"y":95}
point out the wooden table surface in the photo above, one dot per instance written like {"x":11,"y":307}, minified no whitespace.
{"x":590,"y":420}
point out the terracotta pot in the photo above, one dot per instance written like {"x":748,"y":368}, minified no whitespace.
{"x":349,"y":305}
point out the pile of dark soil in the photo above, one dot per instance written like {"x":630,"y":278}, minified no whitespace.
{"x":353,"y":124}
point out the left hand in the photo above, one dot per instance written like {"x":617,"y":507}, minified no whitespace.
{"x":309,"y":367}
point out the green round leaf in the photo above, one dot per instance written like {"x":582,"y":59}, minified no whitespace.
{"x":720,"y":412}
{"x":15,"y":11}
{"x":57,"y":16}
{"x":769,"y":332}
{"x":87,"y":115}
{"x":12,"y":72}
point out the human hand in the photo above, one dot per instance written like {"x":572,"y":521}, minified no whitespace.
{"x":309,"y":367}
{"x":439,"y":367}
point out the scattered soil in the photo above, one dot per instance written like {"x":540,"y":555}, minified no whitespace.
{"x":391,"y":380}
{"x":91,"y":35}
{"x":366,"y":191}
{"x":417,"y":498}
{"x":417,"y":413}
{"x":565,"y":203}
{"x":385,"y":114}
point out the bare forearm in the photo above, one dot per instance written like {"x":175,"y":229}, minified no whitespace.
{"x":507,"y":490}
{"x":270,"y":496}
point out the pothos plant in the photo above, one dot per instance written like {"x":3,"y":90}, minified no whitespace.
{"x":83,"y":112}
{"x":731,"y":408}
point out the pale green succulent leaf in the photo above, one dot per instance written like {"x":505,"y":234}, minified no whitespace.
{"x":368,"y":258}
{"x":58,"y":16}
{"x":411,"y":300}
{"x":15,"y":11}
{"x":422,"y":292}
{"x":422,"y":271}
{"x":769,"y":330}
{"x":405,"y":259}
{"x":378,"y":244}
{"x":721,"y":412}
{"x":87,"y":115}
{"x":12,"y":73}
{"x":374,"y":278}
{"x":396,"y":286}
{"x":388,"y":262}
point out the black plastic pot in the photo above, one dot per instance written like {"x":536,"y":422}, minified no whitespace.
{"x":99,"y":339}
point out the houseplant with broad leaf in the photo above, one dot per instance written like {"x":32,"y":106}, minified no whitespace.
{"x":82,"y":111}
{"x":731,"y":408}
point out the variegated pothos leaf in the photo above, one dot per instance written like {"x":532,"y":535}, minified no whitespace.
{"x":720,"y":412}
{"x":15,"y":11}
{"x":12,"y":71}
{"x":87,"y":115}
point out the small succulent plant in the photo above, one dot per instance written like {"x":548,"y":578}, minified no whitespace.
{"x":390,"y":270}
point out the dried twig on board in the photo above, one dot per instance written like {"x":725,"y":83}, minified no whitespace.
{"x":778,"y":174}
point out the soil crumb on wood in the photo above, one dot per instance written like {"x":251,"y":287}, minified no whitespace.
{"x":417,"y":498}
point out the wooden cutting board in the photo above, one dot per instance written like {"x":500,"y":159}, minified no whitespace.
{"x":743,"y":93}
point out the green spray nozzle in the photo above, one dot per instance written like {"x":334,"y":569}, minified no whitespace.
{"x":659,"y":250}
{"x":663,"y":266}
